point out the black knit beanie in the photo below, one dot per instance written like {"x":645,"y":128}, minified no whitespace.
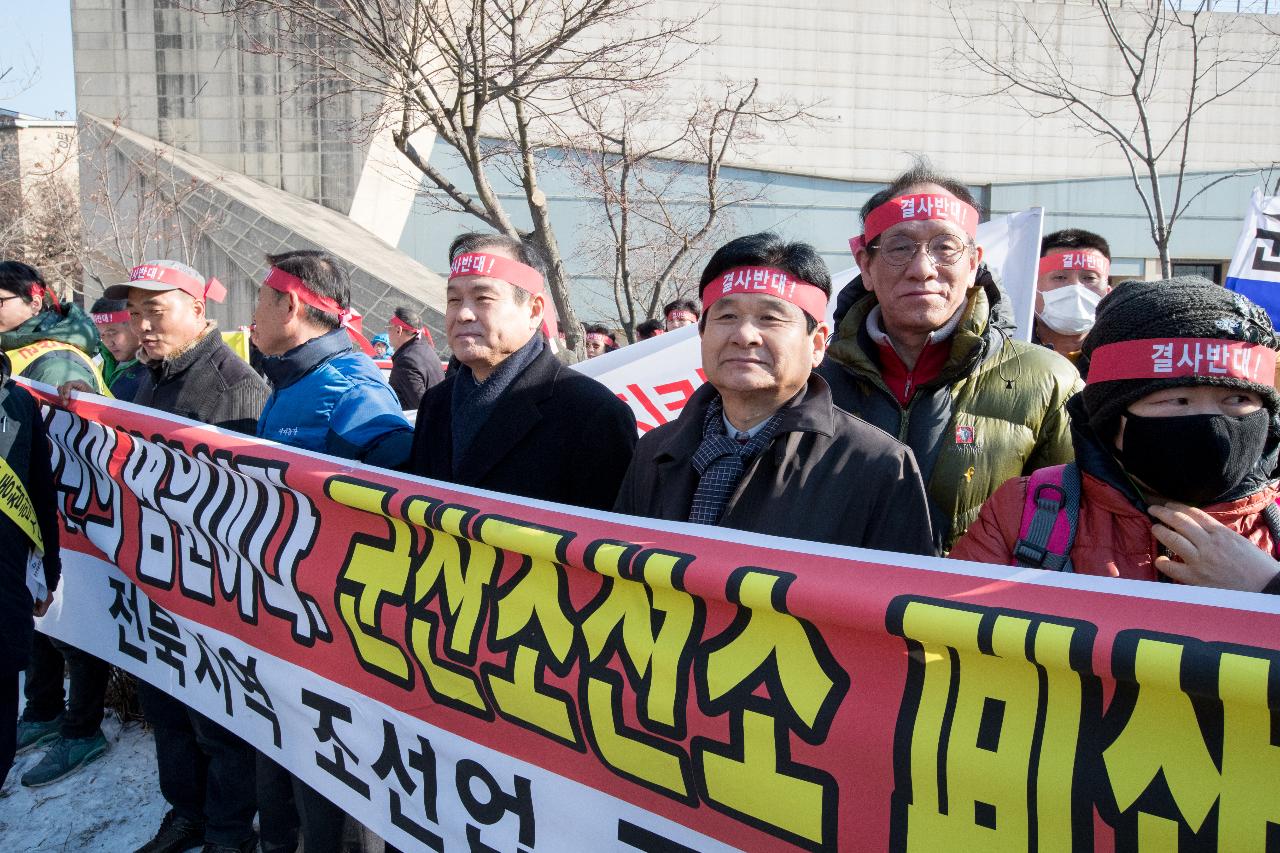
{"x":1180,"y":307}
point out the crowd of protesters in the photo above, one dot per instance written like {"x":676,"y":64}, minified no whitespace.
{"x":1137,"y":436}
{"x":600,"y":339}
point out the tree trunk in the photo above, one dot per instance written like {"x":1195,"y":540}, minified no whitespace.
{"x":545,"y":236}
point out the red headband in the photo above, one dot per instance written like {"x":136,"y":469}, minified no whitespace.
{"x":193,"y":287}
{"x":1175,"y":358}
{"x":423,"y":332}
{"x":355,"y":320}
{"x":521,"y":275}
{"x":909,"y":208}
{"x":472,"y":264}
{"x":278,"y":279}
{"x":113,"y":317}
{"x":769,"y":281}
{"x":283,"y":282}
{"x":607,"y":339}
{"x":1084,"y":259}
{"x":408,"y":328}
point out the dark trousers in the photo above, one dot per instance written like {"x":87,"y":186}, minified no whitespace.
{"x":206,"y":772}
{"x":46,"y":697}
{"x":8,"y":721}
{"x":288,"y":806}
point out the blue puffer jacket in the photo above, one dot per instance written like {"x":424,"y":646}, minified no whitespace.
{"x":329,"y":398}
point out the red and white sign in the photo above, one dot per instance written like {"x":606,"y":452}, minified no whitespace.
{"x":462,"y":670}
{"x":1173,"y":358}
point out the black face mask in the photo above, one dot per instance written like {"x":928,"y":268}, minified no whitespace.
{"x":1194,"y":459}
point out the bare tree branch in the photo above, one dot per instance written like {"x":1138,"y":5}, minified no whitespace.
{"x":498,"y":81}
{"x":661,"y":190}
{"x":1226,"y":54}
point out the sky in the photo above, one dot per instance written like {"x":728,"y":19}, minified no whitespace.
{"x":37,"y":48}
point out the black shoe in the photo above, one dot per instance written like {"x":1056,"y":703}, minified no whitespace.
{"x":176,"y":835}
{"x":249,"y":845}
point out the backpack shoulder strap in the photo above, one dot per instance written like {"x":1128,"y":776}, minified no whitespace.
{"x":1271,"y":516}
{"x":1049,"y":519}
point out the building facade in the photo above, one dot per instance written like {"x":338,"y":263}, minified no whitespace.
{"x":882,"y":85}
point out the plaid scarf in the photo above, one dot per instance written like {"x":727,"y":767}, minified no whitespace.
{"x":721,"y":461}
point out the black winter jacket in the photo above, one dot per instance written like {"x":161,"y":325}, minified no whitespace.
{"x":554,"y":435}
{"x":207,"y":382}
{"x":827,"y":477}
{"x":415,"y":367}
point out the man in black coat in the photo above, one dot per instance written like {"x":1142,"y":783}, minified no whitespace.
{"x":761,"y":447}
{"x":415,"y":364}
{"x":512,"y":418}
{"x":206,"y":772}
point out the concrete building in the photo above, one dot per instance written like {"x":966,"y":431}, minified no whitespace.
{"x":885,"y":83}
{"x":32,"y":147}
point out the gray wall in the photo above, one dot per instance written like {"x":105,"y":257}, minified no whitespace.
{"x":1111,"y":207}
{"x":183,"y":78}
{"x":823,"y":211}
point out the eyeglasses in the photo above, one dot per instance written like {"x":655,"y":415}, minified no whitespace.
{"x":4,"y":299}
{"x":943,"y":250}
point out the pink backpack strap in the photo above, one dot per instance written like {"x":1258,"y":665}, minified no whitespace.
{"x":1049,"y":518}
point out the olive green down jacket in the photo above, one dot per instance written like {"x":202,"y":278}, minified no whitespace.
{"x":995,"y":412}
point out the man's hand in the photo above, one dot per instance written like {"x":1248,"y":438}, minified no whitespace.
{"x":42,"y":607}
{"x":1208,"y":552}
{"x":65,"y":389}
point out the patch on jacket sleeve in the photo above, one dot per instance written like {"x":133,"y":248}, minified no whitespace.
{"x":966,"y":435}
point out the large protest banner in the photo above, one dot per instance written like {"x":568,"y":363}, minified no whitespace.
{"x":466,"y":671}
{"x":1255,"y":266}
{"x":658,"y":376}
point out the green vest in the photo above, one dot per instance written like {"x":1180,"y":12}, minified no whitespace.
{"x":24,"y":356}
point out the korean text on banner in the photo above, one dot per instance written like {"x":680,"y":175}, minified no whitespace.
{"x":466,"y":671}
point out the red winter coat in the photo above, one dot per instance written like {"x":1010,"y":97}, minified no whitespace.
{"x":1113,"y":537}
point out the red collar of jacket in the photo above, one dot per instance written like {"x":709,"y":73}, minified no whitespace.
{"x":903,"y":382}
{"x":1106,"y":496}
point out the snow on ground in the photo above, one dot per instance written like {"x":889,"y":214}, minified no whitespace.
{"x":111,"y":806}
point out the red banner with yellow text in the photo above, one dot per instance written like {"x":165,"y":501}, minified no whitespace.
{"x":463,"y":670}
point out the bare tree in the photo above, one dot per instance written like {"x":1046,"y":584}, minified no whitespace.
{"x":12,"y":221}
{"x":39,"y":210}
{"x":33,"y":194}
{"x":491,"y":79}
{"x":661,"y":190}
{"x":52,"y":242}
{"x":15,"y":80}
{"x":1161,"y":46}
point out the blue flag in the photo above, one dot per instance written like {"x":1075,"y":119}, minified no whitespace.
{"x":1255,"y":267}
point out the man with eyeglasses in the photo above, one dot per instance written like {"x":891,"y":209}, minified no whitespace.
{"x":925,"y":353}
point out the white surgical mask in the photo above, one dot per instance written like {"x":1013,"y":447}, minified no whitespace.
{"x":1070,"y":310}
